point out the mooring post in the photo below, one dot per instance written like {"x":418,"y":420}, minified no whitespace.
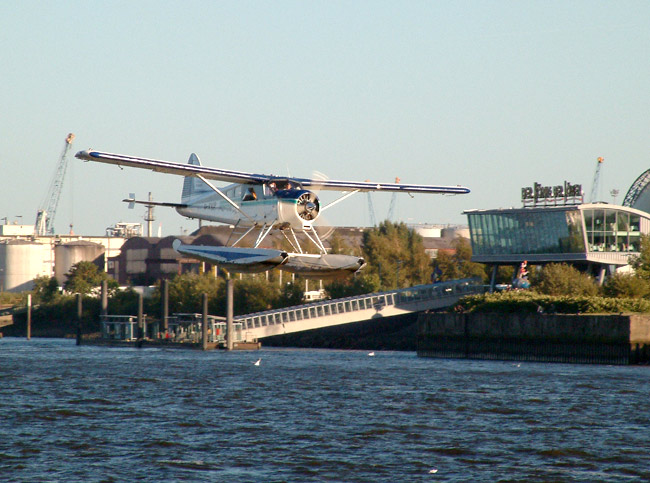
{"x":229,"y":301}
{"x":165,"y":306}
{"x":141,"y":327}
{"x":204,"y":323}
{"x":79,"y":315}
{"x":104,"y":307}
{"x":29,"y":316}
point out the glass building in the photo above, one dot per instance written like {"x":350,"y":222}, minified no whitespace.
{"x":597,"y":234}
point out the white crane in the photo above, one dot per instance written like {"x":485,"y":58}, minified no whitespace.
{"x":45,"y":216}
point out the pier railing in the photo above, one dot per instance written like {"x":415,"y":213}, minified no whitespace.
{"x":358,"y":308}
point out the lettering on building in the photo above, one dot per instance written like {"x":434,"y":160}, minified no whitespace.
{"x":540,"y":195}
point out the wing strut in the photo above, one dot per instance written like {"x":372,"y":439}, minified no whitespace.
{"x":338,"y":200}
{"x":232,"y":203}
{"x":263,"y":234}
{"x":244,"y":235}
{"x":316,"y":239}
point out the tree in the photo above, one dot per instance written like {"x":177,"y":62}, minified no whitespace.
{"x":46,"y":289}
{"x":356,"y":285}
{"x":186,"y":292}
{"x":83,"y":277}
{"x":395,"y":254}
{"x":641,"y":262}
{"x":563,"y":279}
{"x":458,"y":265}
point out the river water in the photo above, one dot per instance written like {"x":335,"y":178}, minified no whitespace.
{"x":71,"y":413}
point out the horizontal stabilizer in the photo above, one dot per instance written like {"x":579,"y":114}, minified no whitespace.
{"x":132,"y":202}
{"x":234,"y":259}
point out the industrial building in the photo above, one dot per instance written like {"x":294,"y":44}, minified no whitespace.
{"x":131,"y":258}
{"x":25,"y":255}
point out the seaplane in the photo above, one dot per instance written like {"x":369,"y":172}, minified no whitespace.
{"x":260,"y":204}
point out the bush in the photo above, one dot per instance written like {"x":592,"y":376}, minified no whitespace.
{"x":560,"y":278}
{"x":529,"y":302}
{"x":627,"y":286}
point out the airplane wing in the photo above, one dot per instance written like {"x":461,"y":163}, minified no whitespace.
{"x":173,"y":168}
{"x":252,"y":178}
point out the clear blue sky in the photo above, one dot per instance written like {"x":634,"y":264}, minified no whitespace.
{"x":493,"y":95}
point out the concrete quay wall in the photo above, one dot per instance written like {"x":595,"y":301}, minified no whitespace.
{"x":571,"y":338}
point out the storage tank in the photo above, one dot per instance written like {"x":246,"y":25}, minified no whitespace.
{"x":67,"y":254}
{"x":455,"y":231}
{"x":428,"y":231}
{"x":20,"y":262}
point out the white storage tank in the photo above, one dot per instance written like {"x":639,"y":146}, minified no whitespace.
{"x":428,"y":231}
{"x":67,"y":254}
{"x":20,"y":262}
{"x":456,"y":231}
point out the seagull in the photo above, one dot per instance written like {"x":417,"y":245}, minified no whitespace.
{"x":433,"y":471}
{"x":371,"y":354}
{"x":257,"y":362}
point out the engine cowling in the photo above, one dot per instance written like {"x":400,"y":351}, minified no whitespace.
{"x":298,"y":208}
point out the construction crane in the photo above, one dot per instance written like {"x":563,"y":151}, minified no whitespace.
{"x":391,"y":207}
{"x":45,"y":216}
{"x":371,"y":210}
{"x":595,"y":184}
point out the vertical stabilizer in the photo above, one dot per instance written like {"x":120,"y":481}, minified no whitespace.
{"x":193,"y":186}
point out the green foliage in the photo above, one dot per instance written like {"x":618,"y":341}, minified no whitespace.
{"x":84,"y":276}
{"x":395,"y":254}
{"x":459,"y":265}
{"x":627,"y":286}
{"x":186,"y":292}
{"x":46,"y":290}
{"x":561,"y":279}
{"x":524,"y":301}
{"x":338,"y":245}
{"x":641,"y":263}
{"x":11,"y":298}
{"x":356,"y":285}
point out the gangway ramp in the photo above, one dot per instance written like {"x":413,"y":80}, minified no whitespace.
{"x":347,"y":310}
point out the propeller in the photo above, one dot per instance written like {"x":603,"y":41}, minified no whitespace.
{"x":322,"y":225}
{"x":308,"y":206}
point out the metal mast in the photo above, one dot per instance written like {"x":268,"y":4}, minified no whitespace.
{"x":45,"y":216}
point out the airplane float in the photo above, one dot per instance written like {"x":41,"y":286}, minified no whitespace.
{"x":263,"y":203}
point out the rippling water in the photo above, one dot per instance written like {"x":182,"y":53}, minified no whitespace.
{"x":71,"y":413}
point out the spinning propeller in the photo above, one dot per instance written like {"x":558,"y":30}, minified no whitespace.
{"x":308,"y":206}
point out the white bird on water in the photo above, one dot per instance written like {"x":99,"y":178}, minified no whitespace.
{"x":257,"y":362}
{"x":371,"y":354}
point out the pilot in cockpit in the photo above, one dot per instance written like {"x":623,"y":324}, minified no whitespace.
{"x":251,"y":195}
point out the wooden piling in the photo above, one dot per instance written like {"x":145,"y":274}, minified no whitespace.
{"x":204,"y":323}
{"x":79,"y":316}
{"x":165,"y":306}
{"x":29,"y":316}
{"x":104,"y":306}
{"x":229,"y":314}
{"x":141,"y":327}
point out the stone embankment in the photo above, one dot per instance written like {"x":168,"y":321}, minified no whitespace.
{"x":597,"y":339}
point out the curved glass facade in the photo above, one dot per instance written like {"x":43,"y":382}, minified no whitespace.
{"x":611,"y":230}
{"x":526,"y":231}
{"x":588,"y":229}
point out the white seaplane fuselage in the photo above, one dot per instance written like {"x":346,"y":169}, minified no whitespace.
{"x":279,"y":208}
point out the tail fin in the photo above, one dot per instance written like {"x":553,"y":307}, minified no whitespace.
{"x":193,"y":186}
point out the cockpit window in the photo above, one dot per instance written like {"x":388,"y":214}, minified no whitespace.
{"x":250,"y":195}
{"x":282,"y":184}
